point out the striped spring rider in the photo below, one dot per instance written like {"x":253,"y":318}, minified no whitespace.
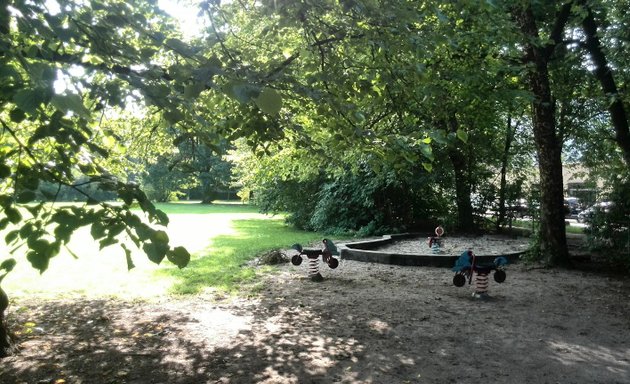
{"x":481,"y":284}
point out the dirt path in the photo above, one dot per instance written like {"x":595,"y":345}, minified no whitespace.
{"x":366,"y":323}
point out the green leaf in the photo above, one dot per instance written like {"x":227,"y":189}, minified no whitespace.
{"x":161,"y":217}
{"x":26,"y":197}
{"x":70,"y":103}
{"x":179,"y":256}
{"x":98,"y":230}
{"x":63,"y":232}
{"x":11,"y":236}
{"x":116,"y":20}
{"x":39,"y":245}
{"x":28,"y":100}
{"x":160,"y":237}
{"x":27,"y":230}
{"x":29,"y":179}
{"x":427,"y":151}
{"x":193,"y":90}
{"x":462,"y":135}
{"x":130,"y":264}
{"x":35,"y":210}
{"x":144,"y":232}
{"x":240,"y":91}
{"x":173,"y":116}
{"x":439,"y":136}
{"x":116,"y":229}
{"x":8,"y":265}
{"x":106,"y":242}
{"x":8,"y":70}
{"x":179,"y":46}
{"x":269,"y":101}
{"x":17,"y":115}
{"x":98,"y":149}
{"x":5,"y":171}
{"x":38,"y":260}
{"x":13,"y":214}
{"x":6,"y":201}
{"x":155,"y":252}
{"x":428,"y":167}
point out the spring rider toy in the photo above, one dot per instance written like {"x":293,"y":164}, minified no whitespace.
{"x":312,"y":254}
{"x":466,"y":265}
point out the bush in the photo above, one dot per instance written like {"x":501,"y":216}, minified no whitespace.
{"x":297,"y":199}
{"x":364,"y":203}
{"x":610,"y":229}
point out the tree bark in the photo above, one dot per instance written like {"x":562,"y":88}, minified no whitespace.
{"x":553,"y":242}
{"x":509,"y":136}
{"x":465,"y":219}
{"x":603,"y":73}
{"x":6,"y":341}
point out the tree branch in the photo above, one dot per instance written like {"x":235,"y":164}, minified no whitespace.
{"x":562,"y":17}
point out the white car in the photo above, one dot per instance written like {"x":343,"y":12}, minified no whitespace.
{"x":587,"y":214}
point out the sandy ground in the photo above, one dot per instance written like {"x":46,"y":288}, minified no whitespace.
{"x":480,"y":245}
{"x":365,"y":323}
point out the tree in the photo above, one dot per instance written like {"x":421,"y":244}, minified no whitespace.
{"x":60,"y":69}
{"x":604,"y":74}
{"x":161,"y":182}
{"x":66,"y":68}
{"x":548,"y":142}
{"x":390,"y":83}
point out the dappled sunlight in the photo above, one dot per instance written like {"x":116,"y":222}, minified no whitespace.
{"x":218,"y":326}
{"x":615,"y":361}
{"x":358,"y":328}
{"x":379,"y":326}
{"x":293,"y":340}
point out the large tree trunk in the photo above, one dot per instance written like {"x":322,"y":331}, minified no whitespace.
{"x":6,"y":341}
{"x":509,"y":136}
{"x":605,"y":77}
{"x":465,"y":219}
{"x":553,"y":242}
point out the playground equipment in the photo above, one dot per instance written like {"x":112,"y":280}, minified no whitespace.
{"x":312,"y":254}
{"x":466,"y":265}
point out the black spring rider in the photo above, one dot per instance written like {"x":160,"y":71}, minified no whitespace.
{"x":312,"y":254}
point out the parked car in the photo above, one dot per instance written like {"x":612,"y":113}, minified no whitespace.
{"x":518,"y":209}
{"x":587,"y":214}
{"x":571,"y":206}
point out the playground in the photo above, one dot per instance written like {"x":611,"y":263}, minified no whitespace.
{"x":364,"y":323}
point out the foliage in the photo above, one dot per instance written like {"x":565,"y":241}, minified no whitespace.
{"x":610,"y":229}
{"x":60,"y":68}
{"x":395,"y":84}
{"x":163,"y":183}
{"x":208,"y":171}
{"x":364,"y":202}
{"x":376,"y":203}
{"x":297,"y":198}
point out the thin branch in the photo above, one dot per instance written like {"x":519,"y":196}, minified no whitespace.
{"x":562,"y":17}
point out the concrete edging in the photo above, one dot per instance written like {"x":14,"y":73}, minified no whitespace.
{"x":362,"y":251}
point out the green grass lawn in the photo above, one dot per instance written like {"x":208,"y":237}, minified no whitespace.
{"x":220,"y":237}
{"x":222,"y":265}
